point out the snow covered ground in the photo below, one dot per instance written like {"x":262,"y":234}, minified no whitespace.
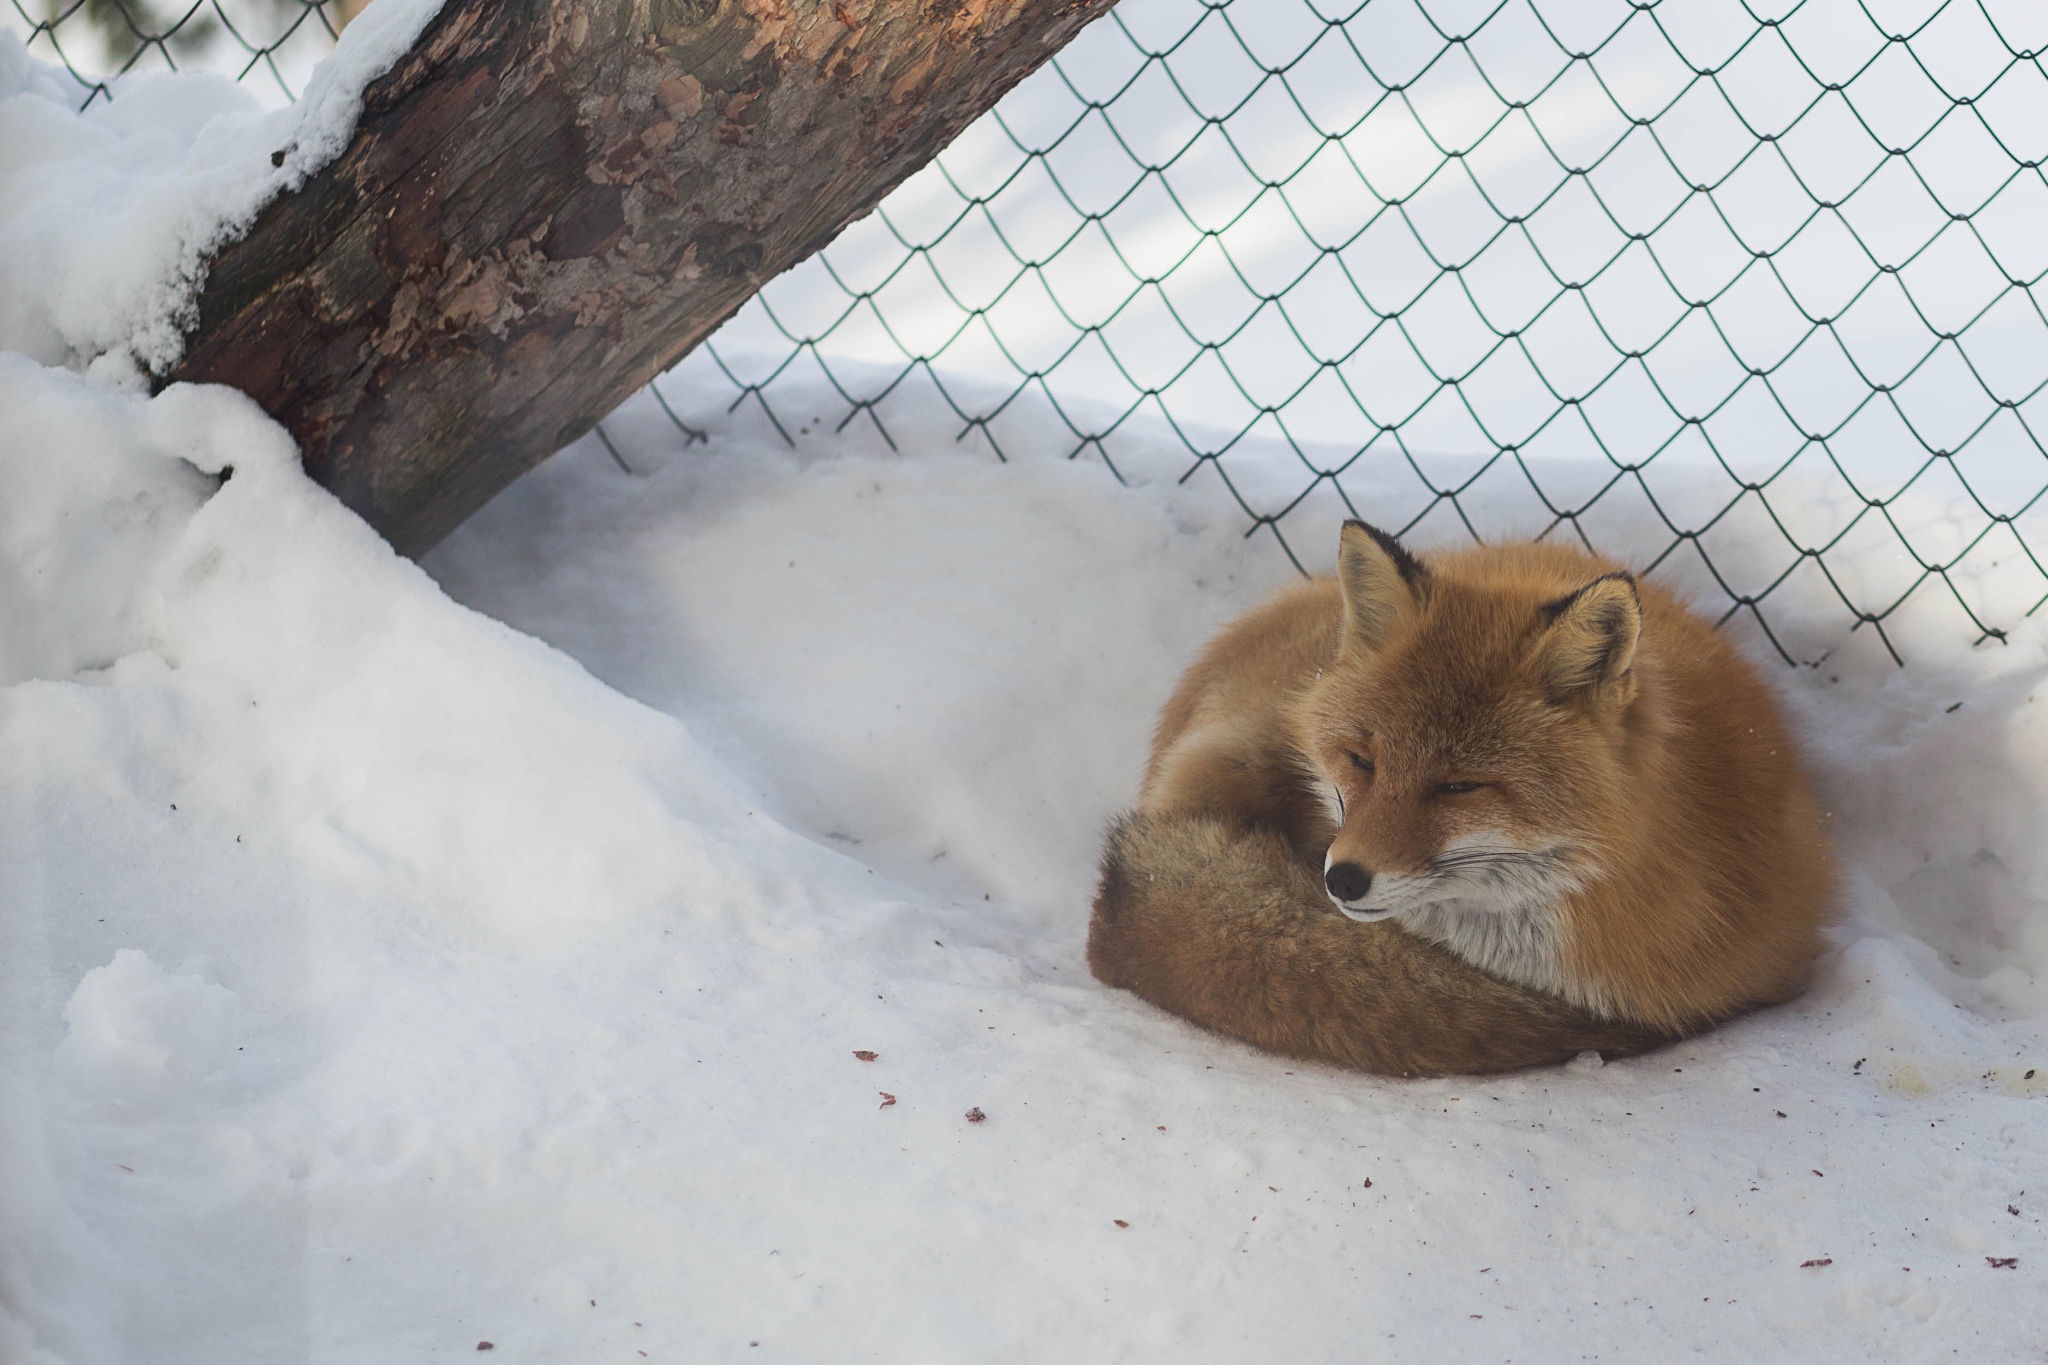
{"x":403,"y":958}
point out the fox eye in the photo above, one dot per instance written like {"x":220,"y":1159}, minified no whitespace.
{"x":1458,"y":788}
{"x":1363,"y":765}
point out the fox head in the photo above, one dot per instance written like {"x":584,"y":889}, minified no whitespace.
{"x":1474,"y":732}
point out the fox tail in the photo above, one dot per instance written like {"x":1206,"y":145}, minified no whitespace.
{"x":1228,"y":928}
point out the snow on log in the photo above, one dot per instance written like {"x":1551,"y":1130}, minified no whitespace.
{"x":548,"y":202}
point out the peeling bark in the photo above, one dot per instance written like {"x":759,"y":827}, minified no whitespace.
{"x":548,"y":202}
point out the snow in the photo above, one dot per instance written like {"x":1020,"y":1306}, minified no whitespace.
{"x":404,"y":957}
{"x":138,"y":1038}
{"x":544,"y":984}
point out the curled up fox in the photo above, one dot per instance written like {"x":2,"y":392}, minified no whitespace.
{"x":1465,"y":813}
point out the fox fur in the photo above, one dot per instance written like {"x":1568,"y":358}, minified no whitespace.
{"x":1465,"y":813}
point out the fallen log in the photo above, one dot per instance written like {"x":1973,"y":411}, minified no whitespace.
{"x":546,"y":203}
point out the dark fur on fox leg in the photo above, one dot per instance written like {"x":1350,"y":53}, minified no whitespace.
{"x":1227,"y":927}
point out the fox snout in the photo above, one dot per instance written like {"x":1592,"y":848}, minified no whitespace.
{"x":1349,"y":884}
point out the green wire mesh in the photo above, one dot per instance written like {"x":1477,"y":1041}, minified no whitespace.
{"x":274,"y":42}
{"x":1748,"y":295}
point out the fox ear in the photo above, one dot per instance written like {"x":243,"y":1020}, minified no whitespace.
{"x":1383,"y":584}
{"x":1590,"y":644}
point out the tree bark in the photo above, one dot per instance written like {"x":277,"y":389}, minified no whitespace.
{"x":546,"y":203}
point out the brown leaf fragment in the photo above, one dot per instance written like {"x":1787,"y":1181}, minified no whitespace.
{"x":975,"y":1115}
{"x":865,"y":1055}
{"x":887,"y":1099}
{"x":487,"y":1346}
{"x":1119,"y":1222}
{"x":1823,"y":1260}
{"x":2012,"y":1210}
{"x":1368,"y":1182}
{"x":2003,"y":1262}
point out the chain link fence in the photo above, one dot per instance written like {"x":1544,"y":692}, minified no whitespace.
{"x":1749,"y":295}
{"x":270,"y":44}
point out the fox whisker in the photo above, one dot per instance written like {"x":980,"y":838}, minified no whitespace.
{"x":1549,"y":870}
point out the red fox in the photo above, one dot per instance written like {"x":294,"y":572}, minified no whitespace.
{"x":1466,"y":813}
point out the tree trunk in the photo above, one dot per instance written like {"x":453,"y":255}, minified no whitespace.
{"x":548,"y":202}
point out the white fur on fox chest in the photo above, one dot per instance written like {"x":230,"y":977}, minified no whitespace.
{"x":1521,"y":942}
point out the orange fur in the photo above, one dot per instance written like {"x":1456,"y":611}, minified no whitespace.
{"x":1561,"y":776}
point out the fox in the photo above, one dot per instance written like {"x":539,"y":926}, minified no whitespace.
{"x":1466,"y":812}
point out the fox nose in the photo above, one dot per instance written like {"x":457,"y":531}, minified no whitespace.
{"x":1347,"y":882}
